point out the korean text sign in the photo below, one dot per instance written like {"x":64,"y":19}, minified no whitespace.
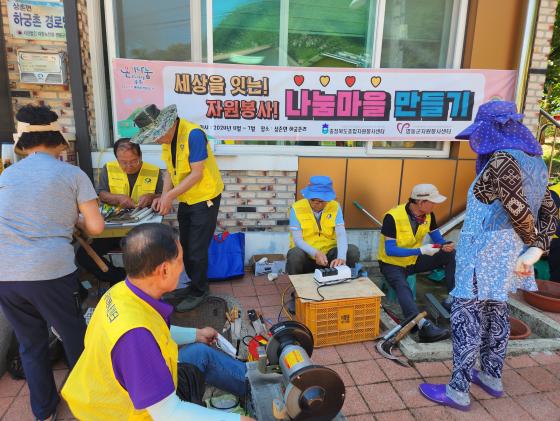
{"x":33,"y":19}
{"x":278,"y":103}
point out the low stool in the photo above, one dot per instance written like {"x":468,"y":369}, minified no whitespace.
{"x":391,"y":293}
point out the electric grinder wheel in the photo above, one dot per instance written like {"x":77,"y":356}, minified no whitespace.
{"x":288,"y":332}
{"x":315,"y":393}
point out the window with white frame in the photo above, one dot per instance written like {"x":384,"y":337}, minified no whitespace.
{"x":304,"y":33}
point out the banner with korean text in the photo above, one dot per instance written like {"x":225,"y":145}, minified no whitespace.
{"x":243,"y":102}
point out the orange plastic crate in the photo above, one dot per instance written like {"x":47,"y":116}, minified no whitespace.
{"x":344,"y":321}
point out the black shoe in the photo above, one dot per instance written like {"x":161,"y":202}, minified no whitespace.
{"x":431,"y":333}
{"x":178,"y":293}
{"x":446,"y":305}
{"x":191,"y":302}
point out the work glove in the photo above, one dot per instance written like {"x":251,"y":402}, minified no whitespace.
{"x":525,"y":262}
{"x":429,"y":249}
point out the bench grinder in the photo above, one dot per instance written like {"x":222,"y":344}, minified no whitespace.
{"x":286,"y":385}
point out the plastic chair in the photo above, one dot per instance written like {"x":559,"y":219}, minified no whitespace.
{"x":392,"y":294}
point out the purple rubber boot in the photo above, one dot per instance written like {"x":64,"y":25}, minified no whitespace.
{"x":436,"y":393}
{"x":476,"y":380}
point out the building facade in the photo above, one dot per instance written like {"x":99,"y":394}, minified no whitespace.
{"x":262,"y":178}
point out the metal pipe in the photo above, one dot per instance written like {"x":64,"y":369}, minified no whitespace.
{"x":526,"y":52}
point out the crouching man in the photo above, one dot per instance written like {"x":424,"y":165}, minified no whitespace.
{"x":132,"y":367}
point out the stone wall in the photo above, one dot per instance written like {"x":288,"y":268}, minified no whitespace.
{"x":539,"y":62}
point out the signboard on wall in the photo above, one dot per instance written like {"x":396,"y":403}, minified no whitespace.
{"x":44,"y":67}
{"x":243,"y":102}
{"x":38,"y":20}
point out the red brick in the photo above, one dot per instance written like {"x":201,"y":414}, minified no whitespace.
{"x":477,"y":412}
{"x":364,"y":417}
{"x":63,"y":411}
{"x":353,"y":352}
{"x":540,"y":378}
{"x":448,"y":364}
{"x":344,"y":374}
{"x":505,"y":409}
{"x":520,"y":361}
{"x":266,"y":290}
{"x":60,"y":377}
{"x":433,"y":413}
{"x":409,"y":393}
{"x":370,"y":346}
{"x":366,"y":372}
{"x":9,"y":387}
{"x":20,"y":409}
{"x":432,"y":369}
{"x":249,"y":303}
{"x":554,"y":397}
{"x":271,"y":313}
{"x":244,"y":291}
{"x":353,"y":402}
{"x":404,"y":415}
{"x":554,"y":369}
{"x":5,"y":404}
{"x":381,"y":397}
{"x":245,"y":281}
{"x":395,"y":371}
{"x":261,"y":280}
{"x":221,"y":288}
{"x":269,"y":300}
{"x":326,"y":356}
{"x":515,"y":385}
{"x":539,"y":407}
{"x":544,"y":358}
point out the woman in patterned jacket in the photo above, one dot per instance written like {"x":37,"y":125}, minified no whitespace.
{"x":510,"y":218}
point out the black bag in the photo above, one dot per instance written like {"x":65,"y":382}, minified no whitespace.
{"x":15,"y":367}
{"x":190,"y":383}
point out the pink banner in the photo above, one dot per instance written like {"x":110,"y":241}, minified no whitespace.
{"x":242,"y":102}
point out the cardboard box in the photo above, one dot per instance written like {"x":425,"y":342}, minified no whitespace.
{"x":276,"y":263}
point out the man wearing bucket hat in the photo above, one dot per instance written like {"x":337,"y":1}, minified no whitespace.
{"x":509,"y":220}
{"x":402,"y":253}
{"x":317,"y":233}
{"x":193,"y":178}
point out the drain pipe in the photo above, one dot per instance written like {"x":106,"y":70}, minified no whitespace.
{"x":526,"y":52}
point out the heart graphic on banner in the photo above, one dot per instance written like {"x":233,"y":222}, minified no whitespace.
{"x":402,"y":126}
{"x":324,"y":80}
{"x":298,"y":79}
{"x":350,"y":80}
{"x":375,"y":81}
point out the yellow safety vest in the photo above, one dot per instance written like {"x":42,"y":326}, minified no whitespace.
{"x":211,"y":184}
{"x":555,"y":189}
{"x":92,"y":391}
{"x":322,"y":239}
{"x":145,"y":183}
{"x":405,"y":237}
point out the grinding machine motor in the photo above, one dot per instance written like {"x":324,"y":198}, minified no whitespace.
{"x":303,"y":391}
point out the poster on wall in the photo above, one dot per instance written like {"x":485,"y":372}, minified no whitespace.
{"x":38,"y":20}
{"x":243,"y":102}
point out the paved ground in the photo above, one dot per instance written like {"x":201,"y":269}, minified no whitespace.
{"x":377,"y":389}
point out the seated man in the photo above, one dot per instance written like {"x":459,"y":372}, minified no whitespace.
{"x":401,"y":252}
{"x":130,"y":365}
{"x":317,"y":234}
{"x":127,"y":183}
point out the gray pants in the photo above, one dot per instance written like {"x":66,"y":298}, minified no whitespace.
{"x":299,"y":262}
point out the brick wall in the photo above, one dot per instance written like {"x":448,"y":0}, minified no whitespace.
{"x":539,"y":62}
{"x":256,"y":200}
{"x":58,"y":97}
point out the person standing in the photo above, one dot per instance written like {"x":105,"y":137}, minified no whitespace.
{"x":508,"y":223}
{"x":193,"y":178}
{"x":40,"y":202}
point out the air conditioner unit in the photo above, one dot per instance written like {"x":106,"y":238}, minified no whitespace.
{"x":42,"y":67}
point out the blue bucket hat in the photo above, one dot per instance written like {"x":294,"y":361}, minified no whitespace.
{"x":498,"y":126}
{"x":320,"y":187}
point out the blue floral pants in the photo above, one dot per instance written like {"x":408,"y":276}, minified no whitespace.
{"x":478,"y":328}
